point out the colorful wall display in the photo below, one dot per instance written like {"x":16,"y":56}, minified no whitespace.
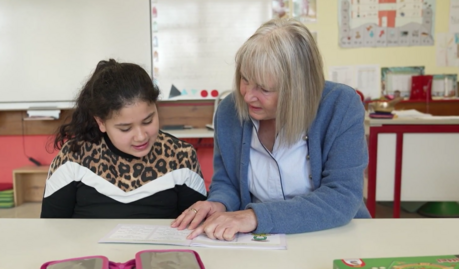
{"x":381,"y":23}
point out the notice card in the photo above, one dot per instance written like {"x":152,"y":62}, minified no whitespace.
{"x":165,"y":235}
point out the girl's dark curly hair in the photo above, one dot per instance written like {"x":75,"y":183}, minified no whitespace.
{"x":112,"y":86}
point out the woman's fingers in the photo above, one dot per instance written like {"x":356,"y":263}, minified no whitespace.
{"x":198,"y":218}
{"x":178,"y":220}
{"x":195,"y":233}
{"x":182,"y":219}
{"x":225,"y":233}
{"x":225,"y":225}
{"x":229,"y":234}
{"x":193,"y":216}
{"x":185,"y":218}
{"x":209,"y":229}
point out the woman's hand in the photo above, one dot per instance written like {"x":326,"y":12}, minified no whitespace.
{"x":194,"y":215}
{"x":225,"y":225}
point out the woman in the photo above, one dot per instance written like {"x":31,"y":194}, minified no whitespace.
{"x":290,"y":150}
{"x":114,"y":162}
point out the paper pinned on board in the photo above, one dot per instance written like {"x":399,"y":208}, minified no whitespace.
{"x":447,"y":49}
{"x":365,"y":78}
{"x":454,"y":16}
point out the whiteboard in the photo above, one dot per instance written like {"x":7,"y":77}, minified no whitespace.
{"x":49,"y":48}
{"x":195,"y":42}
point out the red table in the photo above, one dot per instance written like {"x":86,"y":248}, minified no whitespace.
{"x":399,"y":127}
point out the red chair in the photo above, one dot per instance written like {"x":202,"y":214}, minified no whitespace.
{"x":362,"y":97}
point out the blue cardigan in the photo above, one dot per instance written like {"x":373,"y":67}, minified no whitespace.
{"x":338,"y":157}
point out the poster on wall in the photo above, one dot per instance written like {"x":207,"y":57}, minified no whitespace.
{"x":305,"y":10}
{"x":396,"y":81}
{"x":281,"y":8}
{"x":342,"y":74}
{"x":444,"y":85}
{"x":454,"y":16}
{"x":364,"y":78}
{"x":367,"y":81}
{"x":386,"y":23}
{"x":447,"y":52}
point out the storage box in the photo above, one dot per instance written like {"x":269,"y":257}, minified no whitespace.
{"x":29,"y":184}
{"x":421,"y":262}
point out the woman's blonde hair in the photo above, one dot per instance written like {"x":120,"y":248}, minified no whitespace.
{"x":283,"y":51}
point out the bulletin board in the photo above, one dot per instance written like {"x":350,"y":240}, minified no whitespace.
{"x":399,"y":79}
{"x":380,"y":23}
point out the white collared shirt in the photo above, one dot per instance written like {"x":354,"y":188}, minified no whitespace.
{"x":280,"y":175}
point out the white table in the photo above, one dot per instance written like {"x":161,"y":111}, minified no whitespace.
{"x":28,"y":243}
{"x":192,"y":133}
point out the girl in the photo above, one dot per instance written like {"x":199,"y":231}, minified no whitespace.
{"x":114,"y":162}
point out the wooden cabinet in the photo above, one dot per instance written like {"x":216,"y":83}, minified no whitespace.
{"x":447,"y":107}
{"x":29,"y":184}
{"x":196,"y":113}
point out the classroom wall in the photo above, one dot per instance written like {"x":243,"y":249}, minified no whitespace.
{"x":12,"y":155}
{"x":327,"y":32}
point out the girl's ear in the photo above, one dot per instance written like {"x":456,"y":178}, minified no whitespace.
{"x":101,"y":124}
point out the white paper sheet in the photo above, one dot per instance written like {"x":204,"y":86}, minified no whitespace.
{"x":342,"y":74}
{"x":368,"y":78}
{"x":165,"y":235}
{"x":454,"y":16}
{"x":447,"y":49}
{"x":365,"y":78}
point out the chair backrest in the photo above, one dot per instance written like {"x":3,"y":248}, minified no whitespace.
{"x":220,"y":97}
{"x":362,"y":97}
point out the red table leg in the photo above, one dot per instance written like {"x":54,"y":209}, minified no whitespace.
{"x":398,"y":175}
{"x":372,"y":162}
